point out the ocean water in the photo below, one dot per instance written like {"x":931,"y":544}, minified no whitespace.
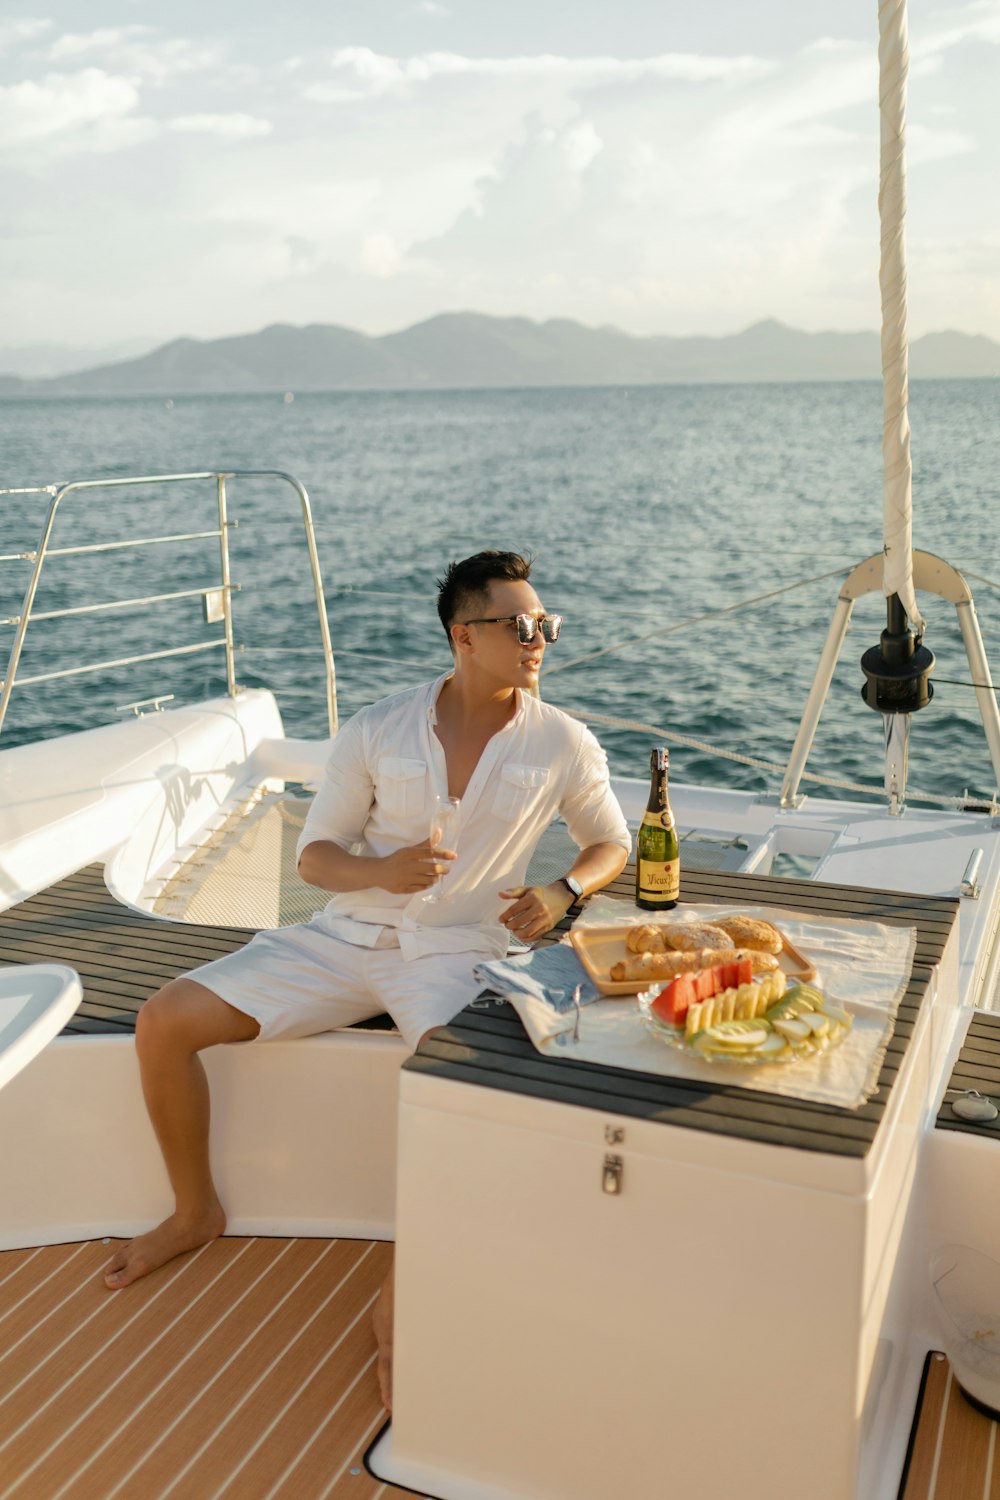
{"x":658,"y":517}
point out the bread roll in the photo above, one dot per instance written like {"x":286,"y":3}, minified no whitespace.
{"x":750,"y":932}
{"x":687,"y":936}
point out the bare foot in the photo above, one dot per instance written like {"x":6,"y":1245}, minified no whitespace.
{"x":382,"y":1324}
{"x":150,"y":1251}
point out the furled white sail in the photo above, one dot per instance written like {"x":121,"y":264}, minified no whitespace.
{"x":897,"y":486}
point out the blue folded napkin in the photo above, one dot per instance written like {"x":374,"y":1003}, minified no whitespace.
{"x":541,"y":974}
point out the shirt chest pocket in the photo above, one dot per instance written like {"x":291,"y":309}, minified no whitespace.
{"x":402,"y":786}
{"x":519,"y":790}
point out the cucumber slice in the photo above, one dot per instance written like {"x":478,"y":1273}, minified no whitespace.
{"x":746,"y":1035}
{"x":773,"y":1047}
{"x":790,"y":1028}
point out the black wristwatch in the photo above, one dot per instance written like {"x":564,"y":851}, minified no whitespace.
{"x":574,"y":887}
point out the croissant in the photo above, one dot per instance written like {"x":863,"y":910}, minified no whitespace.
{"x":645,"y":938}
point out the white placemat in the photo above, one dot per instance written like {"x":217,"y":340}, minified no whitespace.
{"x":864,"y":966}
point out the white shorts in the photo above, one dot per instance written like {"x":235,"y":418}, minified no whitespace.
{"x":297,"y":981}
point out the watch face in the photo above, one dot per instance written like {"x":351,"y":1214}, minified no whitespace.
{"x":574,"y":886}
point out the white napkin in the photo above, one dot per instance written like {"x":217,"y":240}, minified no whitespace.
{"x":540,"y":985}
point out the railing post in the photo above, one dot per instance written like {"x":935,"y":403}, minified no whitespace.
{"x":324,"y":624}
{"x":227,"y":594}
{"x":26,"y":606}
{"x":817,"y":699}
{"x":979,"y":667}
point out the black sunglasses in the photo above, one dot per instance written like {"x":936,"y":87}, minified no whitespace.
{"x":528,"y":626}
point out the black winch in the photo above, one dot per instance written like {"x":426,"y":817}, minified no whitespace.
{"x":899,"y":668}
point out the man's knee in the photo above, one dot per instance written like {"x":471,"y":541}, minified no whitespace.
{"x":164,"y":1019}
{"x":184,"y":1016}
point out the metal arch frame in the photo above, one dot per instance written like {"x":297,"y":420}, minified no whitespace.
{"x":43,"y":550}
{"x":934,"y":576}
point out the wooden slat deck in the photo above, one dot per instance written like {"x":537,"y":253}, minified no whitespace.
{"x":122,"y":957}
{"x":953,"y":1447}
{"x":976,"y":1067}
{"x":486,"y":1044}
{"x":245,"y":1369}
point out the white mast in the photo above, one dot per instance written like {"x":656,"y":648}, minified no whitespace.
{"x":897,"y":488}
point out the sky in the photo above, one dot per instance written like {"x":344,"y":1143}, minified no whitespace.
{"x":662,"y":166}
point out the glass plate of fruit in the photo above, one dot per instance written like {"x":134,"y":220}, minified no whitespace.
{"x":766,"y":1020}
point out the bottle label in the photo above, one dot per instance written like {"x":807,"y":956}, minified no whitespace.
{"x":660,"y":879}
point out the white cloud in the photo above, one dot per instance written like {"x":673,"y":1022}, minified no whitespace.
{"x":979,"y":21}
{"x":680,"y":192}
{"x":580,"y":145}
{"x":235,"y":127}
{"x":140,"y":50}
{"x":78,"y":109}
{"x":269,"y":196}
{"x":380,"y":255}
{"x":926,"y":145}
{"x":106,"y":39}
{"x":359,"y":71}
{"x":822,"y":83}
{"x":18,"y":30}
{"x":691,"y":209}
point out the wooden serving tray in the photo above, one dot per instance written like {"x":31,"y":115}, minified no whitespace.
{"x":599,"y":947}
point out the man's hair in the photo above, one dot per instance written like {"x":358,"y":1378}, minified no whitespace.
{"x":465,"y":585}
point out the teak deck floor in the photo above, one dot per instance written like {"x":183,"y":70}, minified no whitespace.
{"x":953,"y":1450}
{"x":245,"y":1369}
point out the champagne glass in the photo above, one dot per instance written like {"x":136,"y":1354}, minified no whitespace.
{"x":443,"y":834}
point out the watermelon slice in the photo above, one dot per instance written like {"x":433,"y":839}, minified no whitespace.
{"x":671,"y":1004}
{"x":707,"y":982}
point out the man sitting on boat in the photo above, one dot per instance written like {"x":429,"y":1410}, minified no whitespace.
{"x":477,"y":734}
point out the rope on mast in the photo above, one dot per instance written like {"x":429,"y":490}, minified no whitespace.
{"x":897,"y":483}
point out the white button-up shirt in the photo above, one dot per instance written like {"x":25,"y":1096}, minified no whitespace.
{"x":386,"y":765}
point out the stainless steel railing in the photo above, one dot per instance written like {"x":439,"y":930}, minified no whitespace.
{"x":217,"y":597}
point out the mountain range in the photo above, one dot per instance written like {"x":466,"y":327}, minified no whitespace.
{"x":470,"y":350}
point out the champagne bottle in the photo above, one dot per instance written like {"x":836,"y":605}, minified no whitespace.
{"x":657,"y":853}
